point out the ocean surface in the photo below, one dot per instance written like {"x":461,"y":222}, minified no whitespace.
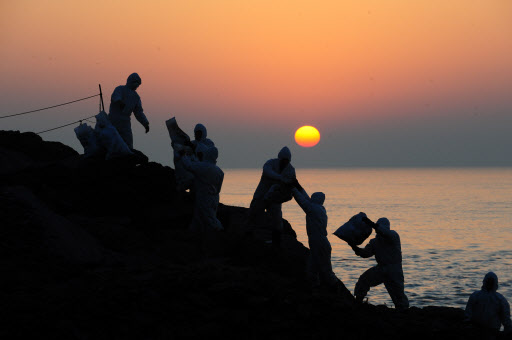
{"x":455,"y":224}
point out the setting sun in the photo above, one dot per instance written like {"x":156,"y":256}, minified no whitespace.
{"x":307,"y":136}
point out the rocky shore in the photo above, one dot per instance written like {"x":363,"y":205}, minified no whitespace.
{"x":94,"y":249}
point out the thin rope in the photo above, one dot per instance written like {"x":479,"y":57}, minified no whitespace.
{"x":59,"y":127}
{"x":49,"y":107}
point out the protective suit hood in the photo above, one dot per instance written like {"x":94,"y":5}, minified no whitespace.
{"x":202,"y":128}
{"x":494,"y":278}
{"x":133,"y":78}
{"x":285,"y":154}
{"x":211,"y":154}
{"x":383,"y":223}
{"x":318,"y":198}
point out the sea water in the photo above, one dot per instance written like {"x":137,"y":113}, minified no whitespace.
{"x":455,"y":224}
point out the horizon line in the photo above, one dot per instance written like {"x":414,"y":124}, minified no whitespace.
{"x":366,"y":167}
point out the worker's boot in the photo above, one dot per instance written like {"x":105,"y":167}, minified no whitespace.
{"x":359,"y":300}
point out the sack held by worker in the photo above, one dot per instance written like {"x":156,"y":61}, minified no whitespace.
{"x":109,"y":138}
{"x":88,"y":139}
{"x":355,"y":231}
{"x":181,"y":145}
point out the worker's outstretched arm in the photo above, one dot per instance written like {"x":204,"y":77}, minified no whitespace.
{"x":138,"y":112}
{"x":363,"y":252}
{"x":302,"y":199}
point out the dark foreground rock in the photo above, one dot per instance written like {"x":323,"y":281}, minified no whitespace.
{"x":101,"y":250}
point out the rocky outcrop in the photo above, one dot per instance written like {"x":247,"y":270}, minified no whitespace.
{"x":96,"y":249}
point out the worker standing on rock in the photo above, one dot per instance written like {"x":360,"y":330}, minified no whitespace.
{"x":319,"y":262}
{"x":200,"y":134}
{"x":388,"y":254}
{"x":208,"y":178}
{"x":124,"y":101}
{"x":276,"y":171}
{"x":488,"y":309}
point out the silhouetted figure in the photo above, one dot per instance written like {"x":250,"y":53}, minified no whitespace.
{"x":488,"y":309}
{"x":190,"y":148}
{"x":319,"y":262}
{"x":124,"y":101}
{"x":275,"y":171}
{"x":388,"y":254}
{"x":200,"y":137}
{"x":208,"y":179}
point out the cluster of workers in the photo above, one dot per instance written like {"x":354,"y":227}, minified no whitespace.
{"x":278,"y":184}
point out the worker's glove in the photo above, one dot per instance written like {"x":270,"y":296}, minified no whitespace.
{"x":147,"y":127}
{"x":355,"y":249}
{"x":369,"y":222}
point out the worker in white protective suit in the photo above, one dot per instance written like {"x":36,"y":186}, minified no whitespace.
{"x":488,"y":309}
{"x":319,"y":262}
{"x":208,"y":178}
{"x":275,"y":171}
{"x":388,"y":254}
{"x":200,"y":137}
{"x":184,"y":178}
{"x":124,"y":101}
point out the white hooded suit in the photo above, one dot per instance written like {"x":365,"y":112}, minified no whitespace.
{"x":208,"y":178}
{"x":488,"y":308}
{"x":272,"y":175}
{"x":123,"y":102}
{"x":319,"y":265}
{"x":388,"y":254}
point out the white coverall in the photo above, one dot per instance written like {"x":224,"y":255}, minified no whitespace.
{"x":119,"y":115}
{"x":388,"y":254}
{"x":184,"y":179}
{"x":208,"y":179}
{"x":272,"y":175}
{"x":319,"y":262}
{"x":205,"y":141}
{"x":488,"y":308}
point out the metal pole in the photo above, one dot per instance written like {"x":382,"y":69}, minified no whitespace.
{"x":101,"y":98}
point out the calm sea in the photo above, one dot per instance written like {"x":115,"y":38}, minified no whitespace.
{"x":455,"y":224}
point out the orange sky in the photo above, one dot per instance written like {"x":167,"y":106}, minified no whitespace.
{"x":245,"y":62}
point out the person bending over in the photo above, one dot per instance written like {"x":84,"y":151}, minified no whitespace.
{"x":275,"y":171}
{"x":388,"y":253}
{"x":319,"y":262}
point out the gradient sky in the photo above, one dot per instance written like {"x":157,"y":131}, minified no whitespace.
{"x":387,"y":83}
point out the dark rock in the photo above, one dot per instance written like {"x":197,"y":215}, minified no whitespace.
{"x":58,"y":236}
{"x":33,"y":146}
{"x":21,"y":150}
{"x":94,"y":249}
